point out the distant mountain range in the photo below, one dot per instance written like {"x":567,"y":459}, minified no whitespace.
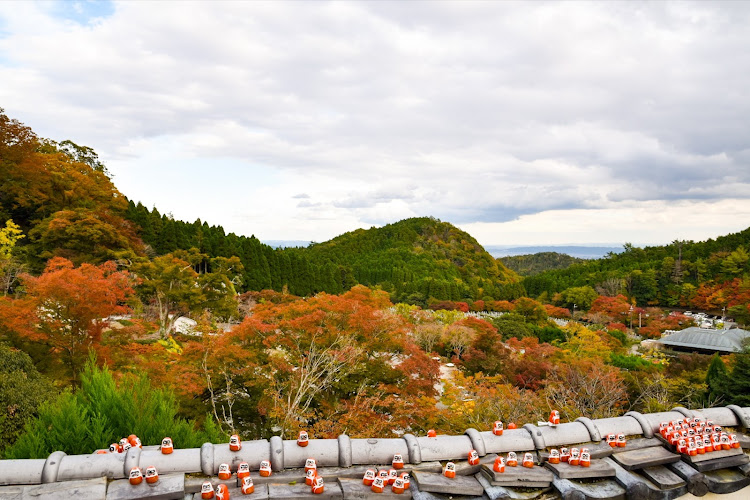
{"x":287,"y":243}
{"x":581,"y":252}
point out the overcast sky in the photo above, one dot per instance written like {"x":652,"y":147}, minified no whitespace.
{"x":522,"y":123}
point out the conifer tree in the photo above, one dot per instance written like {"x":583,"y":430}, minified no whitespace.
{"x":717,"y":378}
{"x":739,"y":382}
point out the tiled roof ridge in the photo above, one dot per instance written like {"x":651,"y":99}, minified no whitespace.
{"x":347,"y":452}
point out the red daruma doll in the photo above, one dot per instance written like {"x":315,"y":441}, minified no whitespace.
{"x":369,"y":477}
{"x":136,"y":476}
{"x":585,"y":458}
{"x":318,"y":486}
{"x":497,"y":428}
{"x":450,"y":470}
{"x":473,"y":457}
{"x":247,"y":485}
{"x":207,"y":490}
{"x":378,"y":485}
{"x":564,"y":455}
{"x":310,"y":476}
{"x":554,"y":417}
{"x":235,"y":444}
{"x":405,"y":478}
{"x":222,"y":492}
{"x":166,"y":446}
{"x":499,"y":465}
{"x":310,"y":464}
{"x":392,"y":475}
{"x":575,"y":457}
{"x":528,"y":460}
{"x":398,"y":486}
{"x":152,"y":476}
{"x":612,"y":440}
{"x":512,"y":460}
{"x":243,"y":470}
{"x":303,"y":439}
{"x":225,"y":472}
{"x":265,"y":468}
{"x":554,"y":456}
{"x":398,"y":461}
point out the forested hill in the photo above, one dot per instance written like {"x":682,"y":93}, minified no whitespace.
{"x":418,"y":256}
{"x":62,"y":200}
{"x":709,"y":274}
{"x":531,"y":264}
{"x":414,"y":259}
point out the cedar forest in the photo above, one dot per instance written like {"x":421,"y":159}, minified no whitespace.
{"x":345,"y":336}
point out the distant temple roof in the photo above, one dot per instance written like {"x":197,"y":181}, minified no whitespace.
{"x":705,"y":339}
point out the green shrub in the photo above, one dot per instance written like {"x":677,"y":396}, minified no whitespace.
{"x":101,"y":412}
{"x":22,"y":391}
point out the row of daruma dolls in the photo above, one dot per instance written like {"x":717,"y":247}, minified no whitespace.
{"x":245,"y":482}
{"x":379,"y":480}
{"x":497,"y":426}
{"x":692,"y":436}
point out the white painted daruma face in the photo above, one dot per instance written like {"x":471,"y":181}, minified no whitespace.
{"x":318,"y":482}
{"x":265,"y":465}
{"x":398,"y":483}
{"x":244,"y":467}
{"x":113,"y":448}
{"x":512,"y":455}
{"x":234,"y":439}
{"x":166,"y":442}
{"x":369,"y":474}
{"x":247,"y":481}
{"x":554,"y":454}
{"x":207,"y":487}
{"x":450,"y":466}
{"x":310,"y":463}
{"x":135,"y":473}
{"x":398,"y":458}
{"x":150,"y":471}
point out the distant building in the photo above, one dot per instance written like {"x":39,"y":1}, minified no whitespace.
{"x":704,"y":340}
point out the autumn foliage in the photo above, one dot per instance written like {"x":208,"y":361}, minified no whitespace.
{"x":66,"y":308}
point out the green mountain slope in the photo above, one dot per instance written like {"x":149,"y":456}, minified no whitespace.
{"x":667,"y":275}
{"x":531,"y":264}
{"x":422,"y":256}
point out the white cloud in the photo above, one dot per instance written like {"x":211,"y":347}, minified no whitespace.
{"x":475,"y":112}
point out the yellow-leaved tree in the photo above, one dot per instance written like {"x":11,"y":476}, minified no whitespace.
{"x":10,"y":268}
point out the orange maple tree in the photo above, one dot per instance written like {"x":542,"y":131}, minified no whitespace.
{"x":66,"y":308}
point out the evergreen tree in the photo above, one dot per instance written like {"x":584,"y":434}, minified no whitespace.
{"x":739,"y":383}
{"x":101,"y":412}
{"x":717,"y":379}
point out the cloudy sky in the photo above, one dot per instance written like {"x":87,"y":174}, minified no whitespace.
{"x":522,"y":123}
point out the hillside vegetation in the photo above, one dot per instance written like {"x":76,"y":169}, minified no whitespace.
{"x":92,"y":285}
{"x":707,"y":275}
{"x":531,"y":264}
